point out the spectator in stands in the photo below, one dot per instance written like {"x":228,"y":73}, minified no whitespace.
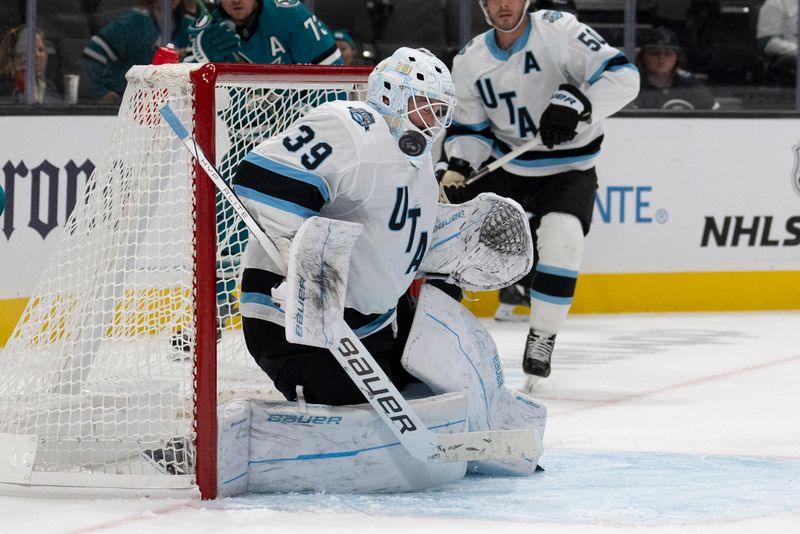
{"x":567,"y":6}
{"x":258,"y":31}
{"x":132,"y":39}
{"x":347,"y":47}
{"x":776,"y":37}
{"x":664,"y":85}
{"x":13,"y":54}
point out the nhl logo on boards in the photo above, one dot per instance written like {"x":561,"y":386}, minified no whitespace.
{"x":363,"y":117}
{"x":796,"y":169}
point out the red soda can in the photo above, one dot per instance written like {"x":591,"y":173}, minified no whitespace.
{"x":165,"y":55}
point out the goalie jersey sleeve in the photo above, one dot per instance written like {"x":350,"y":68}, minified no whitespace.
{"x":340,"y":162}
{"x":503,"y":93}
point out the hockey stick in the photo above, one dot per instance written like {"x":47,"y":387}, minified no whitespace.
{"x":368,"y":376}
{"x":536,"y":141}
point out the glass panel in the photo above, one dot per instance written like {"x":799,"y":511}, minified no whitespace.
{"x":704,"y":55}
{"x":62,"y":30}
{"x":82,"y":58}
{"x":720,"y":44}
{"x":127,"y":33}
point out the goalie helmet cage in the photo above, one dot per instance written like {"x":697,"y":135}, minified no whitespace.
{"x":133,"y":336}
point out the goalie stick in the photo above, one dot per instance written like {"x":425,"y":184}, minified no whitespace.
{"x":365,"y":373}
{"x":536,"y":141}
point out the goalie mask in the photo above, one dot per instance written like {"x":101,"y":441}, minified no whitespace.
{"x":492,"y":24}
{"x":413,"y":90}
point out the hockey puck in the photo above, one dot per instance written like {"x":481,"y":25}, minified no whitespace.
{"x":412,"y":143}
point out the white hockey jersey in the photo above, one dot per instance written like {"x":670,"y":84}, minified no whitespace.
{"x":777,"y":27}
{"x":340,"y":161}
{"x":503,"y":93}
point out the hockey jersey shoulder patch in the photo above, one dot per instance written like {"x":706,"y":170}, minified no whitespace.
{"x":552,"y":16}
{"x":362,"y":117}
{"x":466,"y":46}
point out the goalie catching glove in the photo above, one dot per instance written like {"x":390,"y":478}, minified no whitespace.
{"x":481,"y":244}
{"x":214,"y":41}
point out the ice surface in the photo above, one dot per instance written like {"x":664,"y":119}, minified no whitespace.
{"x":658,"y":423}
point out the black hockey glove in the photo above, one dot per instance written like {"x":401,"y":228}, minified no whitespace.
{"x":453,"y":188}
{"x":559,"y":122}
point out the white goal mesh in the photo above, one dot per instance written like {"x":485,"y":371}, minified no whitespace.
{"x":103,"y":363}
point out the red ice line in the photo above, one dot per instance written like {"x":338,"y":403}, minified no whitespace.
{"x":632,"y":396}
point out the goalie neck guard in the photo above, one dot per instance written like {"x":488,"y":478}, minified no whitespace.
{"x":394,"y":83}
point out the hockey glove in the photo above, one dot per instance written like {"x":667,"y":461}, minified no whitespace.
{"x":214,"y":41}
{"x":452,"y":185}
{"x":559,"y":122}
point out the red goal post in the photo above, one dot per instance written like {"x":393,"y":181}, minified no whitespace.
{"x":132,"y":338}
{"x":205,"y":81}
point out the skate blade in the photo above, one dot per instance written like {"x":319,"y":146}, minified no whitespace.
{"x":530,"y":383}
{"x":511,"y":318}
{"x":512,"y":313}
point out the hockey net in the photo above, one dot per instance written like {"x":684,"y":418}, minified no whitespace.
{"x":133,"y":336}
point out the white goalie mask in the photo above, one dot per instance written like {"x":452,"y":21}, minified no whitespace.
{"x":413,"y":82}
{"x":522,"y":16}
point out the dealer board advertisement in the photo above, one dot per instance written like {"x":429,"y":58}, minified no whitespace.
{"x":676,"y":196}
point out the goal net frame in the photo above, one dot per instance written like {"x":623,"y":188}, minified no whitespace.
{"x":18,"y":449}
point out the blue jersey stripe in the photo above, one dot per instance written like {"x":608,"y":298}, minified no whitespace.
{"x":290,"y":172}
{"x":277,"y":203}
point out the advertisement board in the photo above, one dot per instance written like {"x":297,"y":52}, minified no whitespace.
{"x":690,"y":213}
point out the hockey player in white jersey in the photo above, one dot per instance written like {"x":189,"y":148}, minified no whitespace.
{"x":368,"y":163}
{"x":542,"y":73}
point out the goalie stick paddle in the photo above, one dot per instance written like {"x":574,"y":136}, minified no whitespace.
{"x":536,"y":141}
{"x":367,"y":375}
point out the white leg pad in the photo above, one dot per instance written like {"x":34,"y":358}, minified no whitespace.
{"x":341,"y":449}
{"x":233,"y":447}
{"x":450,"y":351}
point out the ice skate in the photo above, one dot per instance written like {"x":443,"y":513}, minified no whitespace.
{"x":536,"y":360}
{"x":511,"y":297}
{"x":172,"y":459}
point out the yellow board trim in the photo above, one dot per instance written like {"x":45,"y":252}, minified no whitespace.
{"x":595,"y":293}
{"x":672,"y":292}
{"x":10,"y":312}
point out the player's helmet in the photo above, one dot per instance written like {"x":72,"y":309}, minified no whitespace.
{"x":411,"y":73}
{"x":482,"y":3}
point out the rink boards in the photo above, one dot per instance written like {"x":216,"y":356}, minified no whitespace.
{"x":691,"y":214}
